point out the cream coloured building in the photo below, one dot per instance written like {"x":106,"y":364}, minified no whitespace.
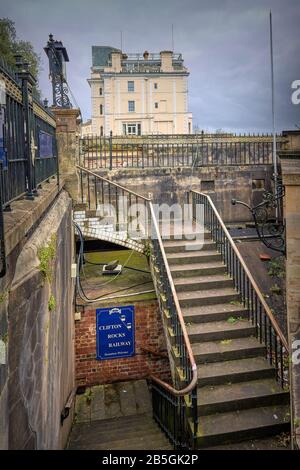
{"x":135,"y":94}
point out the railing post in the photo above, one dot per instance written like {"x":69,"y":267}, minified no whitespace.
{"x":28,"y":81}
{"x":110,"y":150}
{"x":2,"y":241}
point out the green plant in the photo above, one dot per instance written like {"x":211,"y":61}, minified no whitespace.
{"x":275,"y":289}
{"x":232,"y":320}
{"x":88,"y":395}
{"x":276,"y":267}
{"x":51,"y":303}
{"x":4,"y":296}
{"x":46,"y":256}
{"x":147,"y":249}
{"x":5,"y":338}
{"x":226,"y":341}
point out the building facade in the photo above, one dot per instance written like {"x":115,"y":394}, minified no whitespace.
{"x":86,"y":128}
{"x":138,"y":94}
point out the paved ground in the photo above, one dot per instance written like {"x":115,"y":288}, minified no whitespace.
{"x":128,"y":281}
{"x":116,"y":416}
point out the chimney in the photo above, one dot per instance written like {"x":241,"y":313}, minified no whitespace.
{"x":116,"y":61}
{"x":166,"y":61}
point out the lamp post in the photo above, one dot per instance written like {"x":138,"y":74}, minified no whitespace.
{"x":273,"y":119}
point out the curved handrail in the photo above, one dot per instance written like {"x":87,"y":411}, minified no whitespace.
{"x":193,"y":382}
{"x":255,"y":286}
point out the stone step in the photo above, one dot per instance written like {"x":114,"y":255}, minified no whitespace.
{"x":207,"y":297}
{"x":139,"y":442}
{"x":213,"y":331}
{"x":235,"y":426}
{"x":202,"y":282}
{"x":179,"y":246}
{"x":239,"y":396}
{"x":188,"y":235}
{"x":126,"y":432}
{"x":203,"y":256}
{"x":215,"y":312}
{"x":234,"y":371}
{"x":216,"y":351}
{"x":197,"y":269}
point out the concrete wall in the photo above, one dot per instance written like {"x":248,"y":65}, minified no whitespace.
{"x":38,"y":374}
{"x":170,"y":185}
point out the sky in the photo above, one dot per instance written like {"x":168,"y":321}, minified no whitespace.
{"x":225,"y":45}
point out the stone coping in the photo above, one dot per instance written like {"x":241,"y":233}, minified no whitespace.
{"x":25,"y":214}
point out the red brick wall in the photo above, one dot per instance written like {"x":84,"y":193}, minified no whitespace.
{"x":148,"y":333}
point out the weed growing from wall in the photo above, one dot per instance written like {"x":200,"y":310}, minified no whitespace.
{"x":47,"y":256}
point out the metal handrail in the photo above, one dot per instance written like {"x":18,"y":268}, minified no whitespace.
{"x":113,"y":183}
{"x":193,"y":382}
{"x":248,"y":273}
{"x":165,"y":385}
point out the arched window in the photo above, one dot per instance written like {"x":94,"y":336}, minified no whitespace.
{"x":101,"y":108}
{"x":101,"y":130}
{"x":100,"y":91}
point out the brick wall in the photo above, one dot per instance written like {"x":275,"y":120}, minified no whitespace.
{"x":148,"y":334}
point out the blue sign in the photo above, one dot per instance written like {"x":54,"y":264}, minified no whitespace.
{"x":115,"y":332}
{"x":45,"y":144}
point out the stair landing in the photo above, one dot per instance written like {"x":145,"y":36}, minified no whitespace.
{"x":137,"y":432}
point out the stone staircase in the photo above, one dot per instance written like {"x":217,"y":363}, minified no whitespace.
{"x":238,"y":395}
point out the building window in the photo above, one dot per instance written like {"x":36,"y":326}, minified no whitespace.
{"x":100,"y":91}
{"x":156,"y":105}
{"x":207,"y":185}
{"x":131,"y":106}
{"x":101,"y":108}
{"x":101,"y":130}
{"x":132,"y":128}
{"x":130,"y":86}
{"x":155,"y":86}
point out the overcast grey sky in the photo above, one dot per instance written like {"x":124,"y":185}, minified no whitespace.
{"x":225,"y":45}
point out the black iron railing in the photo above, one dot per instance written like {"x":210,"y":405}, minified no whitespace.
{"x":166,"y":152}
{"x":260,"y":314}
{"x":174,"y":406}
{"x":28,"y":153}
{"x":27,"y":136}
{"x":2,"y":242}
{"x":111,"y":202}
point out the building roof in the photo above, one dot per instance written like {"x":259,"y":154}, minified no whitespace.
{"x":100,"y":55}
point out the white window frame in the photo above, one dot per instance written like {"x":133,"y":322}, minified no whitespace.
{"x":132,"y":128}
{"x":130,"y":86}
{"x":131,"y":104}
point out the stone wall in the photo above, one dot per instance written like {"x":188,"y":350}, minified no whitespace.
{"x":290,"y":162}
{"x":149,"y":336}
{"x":37,"y":327}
